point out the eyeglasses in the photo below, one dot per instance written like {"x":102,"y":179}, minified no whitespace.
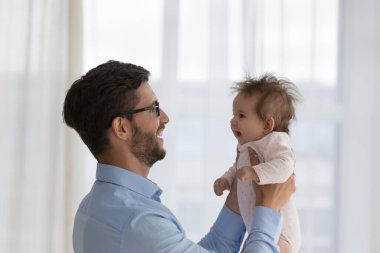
{"x":155,"y":107}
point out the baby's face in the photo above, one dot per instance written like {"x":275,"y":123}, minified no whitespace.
{"x":245,"y":124}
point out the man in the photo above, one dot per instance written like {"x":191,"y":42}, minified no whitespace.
{"x":117,"y":115}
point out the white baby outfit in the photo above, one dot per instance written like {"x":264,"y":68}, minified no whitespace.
{"x":277,"y":163}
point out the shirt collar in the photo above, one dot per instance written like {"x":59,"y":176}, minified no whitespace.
{"x":115,"y":175}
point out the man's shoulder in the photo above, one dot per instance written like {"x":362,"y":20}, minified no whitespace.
{"x":115,"y":206}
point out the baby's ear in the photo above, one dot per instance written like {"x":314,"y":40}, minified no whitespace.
{"x":268,"y":125}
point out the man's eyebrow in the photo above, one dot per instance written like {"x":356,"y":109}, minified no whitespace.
{"x":153,"y":103}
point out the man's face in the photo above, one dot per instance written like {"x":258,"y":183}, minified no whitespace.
{"x":147,"y":128}
{"x":146,"y":146}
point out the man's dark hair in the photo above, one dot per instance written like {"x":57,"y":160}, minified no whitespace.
{"x":103,"y":93}
{"x":277,"y":98}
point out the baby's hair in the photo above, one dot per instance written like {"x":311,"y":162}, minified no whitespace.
{"x":277,"y":98}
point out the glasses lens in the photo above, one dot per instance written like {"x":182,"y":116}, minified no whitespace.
{"x":158,"y":110}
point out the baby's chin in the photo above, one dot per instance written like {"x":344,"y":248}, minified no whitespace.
{"x":241,"y":142}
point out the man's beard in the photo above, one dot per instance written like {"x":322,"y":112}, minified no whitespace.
{"x":146,"y":147}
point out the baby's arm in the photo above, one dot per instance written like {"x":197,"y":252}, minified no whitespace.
{"x":279,"y":165}
{"x":224,"y":182}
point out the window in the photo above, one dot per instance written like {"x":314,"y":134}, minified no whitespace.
{"x":195,"y":49}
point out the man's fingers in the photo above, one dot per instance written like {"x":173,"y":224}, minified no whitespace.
{"x":232,"y":201}
{"x":237,"y":154}
{"x":253,"y":157}
{"x":275,"y":196}
{"x":293,"y":181}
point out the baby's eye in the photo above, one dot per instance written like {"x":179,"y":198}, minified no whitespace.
{"x":241,"y":115}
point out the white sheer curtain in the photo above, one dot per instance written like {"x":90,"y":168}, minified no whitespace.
{"x":36,"y":196}
{"x":196,"y":48}
{"x":194,"y":53}
{"x":359,"y":68}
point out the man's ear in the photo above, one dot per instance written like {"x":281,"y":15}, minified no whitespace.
{"x":268,"y":125}
{"x":121,"y":128}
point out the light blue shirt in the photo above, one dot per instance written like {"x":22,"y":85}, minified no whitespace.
{"x":123,"y":213}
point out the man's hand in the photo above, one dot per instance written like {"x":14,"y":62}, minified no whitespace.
{"x":275,"y":196}
{"x":253,"y":157}
{"x":247,"y":173}
{"x":232,"y":200}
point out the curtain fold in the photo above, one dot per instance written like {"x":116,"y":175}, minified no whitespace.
{"x":38,"y":195}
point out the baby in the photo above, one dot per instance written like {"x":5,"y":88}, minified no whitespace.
{"x":262,"y":111}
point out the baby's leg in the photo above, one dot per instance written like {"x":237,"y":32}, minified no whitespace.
{"x":284,"y":245}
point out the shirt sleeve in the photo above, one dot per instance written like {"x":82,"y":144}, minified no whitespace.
{"x":227,"y":232}
{"x":154,"y":233}
{"x":279,"y":161}
{"x":230,"y":174}
{"x":266,"y":228}
{"x":151,"y":232}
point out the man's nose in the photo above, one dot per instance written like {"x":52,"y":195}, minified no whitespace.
{"x":164,"y":118}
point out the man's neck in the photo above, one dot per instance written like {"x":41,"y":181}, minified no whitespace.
{"x":127,"y":162}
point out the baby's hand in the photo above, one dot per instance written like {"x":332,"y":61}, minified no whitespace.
{"x":247,"y":173}
{"x":220,"y":185}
